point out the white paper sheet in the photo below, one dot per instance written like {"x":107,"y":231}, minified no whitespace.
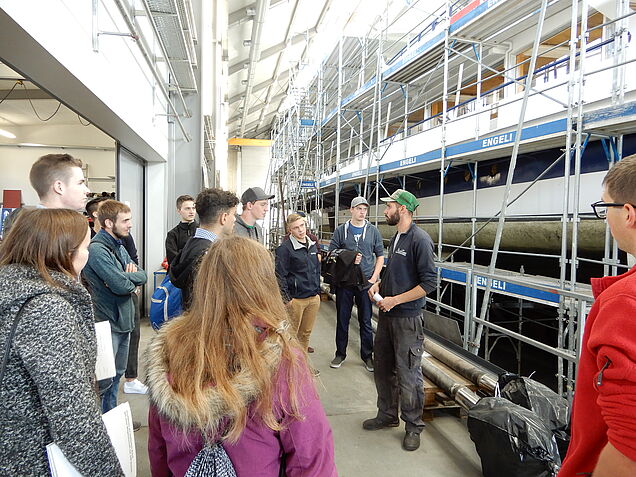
{"x":105,"y":364}
{"x":118,"y":424}
{"x":59,"y":465}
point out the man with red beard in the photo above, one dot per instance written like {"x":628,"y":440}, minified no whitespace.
{"x":408,"y":277}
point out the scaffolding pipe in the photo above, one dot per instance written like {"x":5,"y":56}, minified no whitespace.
{"x":579,"y":138}
{"x":376,"y":93}
{"x":563,"y":261}
{"x":511,"y":169}
{"x":337,"y":191}
{"x":577,"y":185}
{"x":442,"y":166}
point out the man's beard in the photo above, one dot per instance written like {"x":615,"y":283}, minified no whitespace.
{"x":392,"y":219}
{"x":120,"y":234}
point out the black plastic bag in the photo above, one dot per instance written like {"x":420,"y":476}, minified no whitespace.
{"x":512,"y":440}
{"x":548,"y":405}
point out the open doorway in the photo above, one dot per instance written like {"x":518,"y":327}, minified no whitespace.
{"x":32,"y":124}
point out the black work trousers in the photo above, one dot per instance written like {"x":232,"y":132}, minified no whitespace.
{"x":398,"y":348}
{"x":133,"y":349}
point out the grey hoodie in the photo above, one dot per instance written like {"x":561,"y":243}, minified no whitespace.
{"x":48,"y":392}
{"x":254,"y":232}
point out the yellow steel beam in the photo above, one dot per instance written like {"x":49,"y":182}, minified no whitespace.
{"x":243,"y":141}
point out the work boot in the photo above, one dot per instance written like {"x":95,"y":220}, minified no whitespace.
{"x":411,"y":441}
{"x":377,"y":423}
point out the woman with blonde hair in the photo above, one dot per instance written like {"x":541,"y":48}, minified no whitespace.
{"x":47,"y":340}
{"x":229,"y":371}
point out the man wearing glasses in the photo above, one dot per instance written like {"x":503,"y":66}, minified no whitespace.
{"x":604,"y":413}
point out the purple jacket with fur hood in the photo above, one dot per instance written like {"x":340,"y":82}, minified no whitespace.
{"x":307,"y":444}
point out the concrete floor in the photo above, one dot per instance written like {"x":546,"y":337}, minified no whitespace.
{"x":348,"y":396}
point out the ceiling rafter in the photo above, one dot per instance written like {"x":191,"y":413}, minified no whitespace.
{"x":247,"y":13}
{"x":265,"y":84}
{"x":256,"y":109}
{"x":271,"y":51}
{"x":275,"y":88}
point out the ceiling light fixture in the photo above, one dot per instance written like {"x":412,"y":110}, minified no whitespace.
{"x":7,"y":134}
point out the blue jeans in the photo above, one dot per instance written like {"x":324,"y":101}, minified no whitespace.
{"x":344,"y":304}
{"x":108,"y":388}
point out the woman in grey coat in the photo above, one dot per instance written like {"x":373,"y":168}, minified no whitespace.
{"x":48,"y":391}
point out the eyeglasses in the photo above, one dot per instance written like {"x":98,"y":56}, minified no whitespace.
{"x":600,"y":208}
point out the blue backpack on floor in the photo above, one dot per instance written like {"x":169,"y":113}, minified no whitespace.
{"x":166,"y":303}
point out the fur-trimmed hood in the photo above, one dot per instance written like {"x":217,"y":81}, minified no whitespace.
{"x":180,"y":414}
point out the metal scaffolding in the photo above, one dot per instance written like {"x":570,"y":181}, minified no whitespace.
{"x":459,"y":67}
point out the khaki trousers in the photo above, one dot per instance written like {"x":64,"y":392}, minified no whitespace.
{"x":302,"y":313}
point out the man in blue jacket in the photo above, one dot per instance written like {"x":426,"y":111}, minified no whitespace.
{"x":298,"y":272}
{"x":112,"y":278}
{"x":409,"y":276}
{"x":359,"y":236}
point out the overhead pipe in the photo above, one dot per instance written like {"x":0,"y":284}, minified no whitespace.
{"x":262,"y":7}
{"x":164,"y":52}
{"x":148,"y":57}
{"x":268,"y":96}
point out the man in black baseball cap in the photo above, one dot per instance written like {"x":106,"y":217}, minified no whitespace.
{"x":255,"y":206}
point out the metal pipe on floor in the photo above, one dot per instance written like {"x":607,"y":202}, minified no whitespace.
{"x":459,"y":392}
{"x":472,"y":372}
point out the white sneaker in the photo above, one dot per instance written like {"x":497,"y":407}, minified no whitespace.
{"x":135,"y":387}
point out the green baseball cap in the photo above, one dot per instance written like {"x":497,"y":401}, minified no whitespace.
{"x":403,"y":197}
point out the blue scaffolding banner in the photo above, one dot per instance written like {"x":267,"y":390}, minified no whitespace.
{"x":307,"y":184}
{"x":502,"y":286}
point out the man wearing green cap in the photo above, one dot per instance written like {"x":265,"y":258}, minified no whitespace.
{"x":408,"y":277}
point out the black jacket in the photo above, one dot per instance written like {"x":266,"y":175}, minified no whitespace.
{"x":410,"y":263}
{"x":298,"y":269}
{"x":339,"y":269}
{"x":178,"y":237}
{"x":184,"y":268}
